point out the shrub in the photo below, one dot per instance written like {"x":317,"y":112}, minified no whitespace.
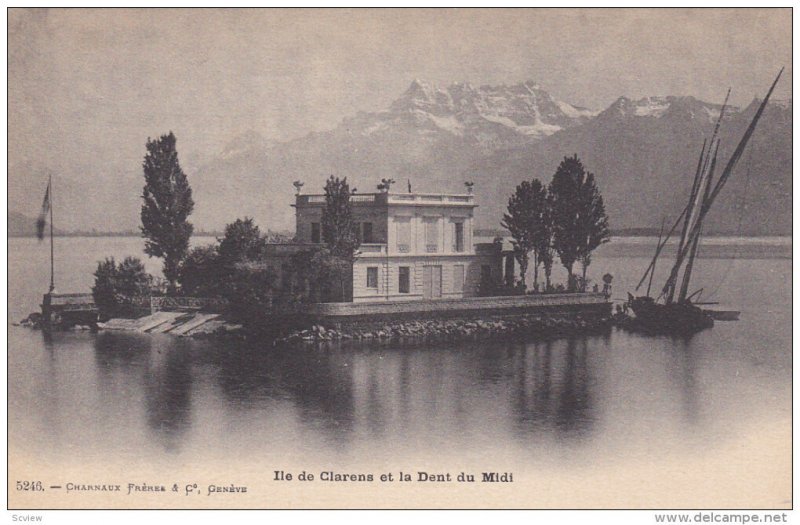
{"x":113,"y":282}
{"x":202,"y":273}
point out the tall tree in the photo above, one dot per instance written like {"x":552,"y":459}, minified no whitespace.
{"x":167,"y":206}
{"x":593,"y":222}
{"x":540,"y":229}
{"x":517,"y":221}
{"x":544,"y":241}
{"x":340,"y":232}
{"x":520,"y":221}
{"x":339,"y":229}
{"x":565,"y":201}
{"x":547,"y":257}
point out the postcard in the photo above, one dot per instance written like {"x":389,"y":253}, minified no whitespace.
{"x":400,"y":259}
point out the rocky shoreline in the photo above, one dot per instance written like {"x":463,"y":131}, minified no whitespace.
{"x":451,"y":329}
{"x":516,"y":327}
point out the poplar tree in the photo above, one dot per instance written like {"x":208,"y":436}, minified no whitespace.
{"x":340,"y":233}
{"x":565,"y":200}
{"x":593,"y":222}
{"x":339,"y":229}
{"x":166,"y":208}
{"x":527,"y":208}
{"x":578,"y":219}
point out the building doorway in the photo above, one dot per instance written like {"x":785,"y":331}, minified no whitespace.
{"x":432,"y":282}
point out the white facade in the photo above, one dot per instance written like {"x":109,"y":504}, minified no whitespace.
{"x":424,"y":247}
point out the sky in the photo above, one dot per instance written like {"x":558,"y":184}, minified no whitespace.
{"x":87,"y":87}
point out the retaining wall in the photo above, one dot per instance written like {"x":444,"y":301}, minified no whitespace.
{"x":559,"y":305}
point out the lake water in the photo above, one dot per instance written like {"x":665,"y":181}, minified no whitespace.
{"x":618,"y":420}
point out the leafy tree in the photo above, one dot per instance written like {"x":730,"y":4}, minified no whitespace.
{"x":104,"y":289}
{"x":167,"y":206}
{"x":518,"y":221}
{"x":565,"y":202}
{"x":207,"y":270}
{"x":251,"y":293}
{"x":593,"y":222}
{"x":544,"y":241}
{"x":113,"y":281}
{"x":324,"y":270}
{"x":242,"y":241}
{"x":527,"y":221}
{"x":201,"y":272}
{"x":547,"y":257}
{"x":340,"y":232}
{"x":579,"y":219}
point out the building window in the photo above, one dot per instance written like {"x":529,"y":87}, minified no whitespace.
{"x":315,"y":233}
{"x":405,"y":279}
{"x":403,"y":234}
{"x":458,"y":278}
{"x":372,"y":277}
{"x":431,"y":235}
{"x":458,"y":240}
{"x":366,"y":236}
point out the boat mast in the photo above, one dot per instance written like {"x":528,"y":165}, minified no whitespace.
{"x":701,"y":166}
{"x":661,"y":246}
{"x":687,"y":275}
{"x":726,"y":173}
{"x":684,"y":215}
{"x":658,"y":247}
{"x":52,"y":258}
{"x":700,"y":180}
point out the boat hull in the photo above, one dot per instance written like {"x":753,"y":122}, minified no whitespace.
{"x":674,"y":318}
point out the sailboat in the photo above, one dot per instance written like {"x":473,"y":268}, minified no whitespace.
{"x":673,"y":310}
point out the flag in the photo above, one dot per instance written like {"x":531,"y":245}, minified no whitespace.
{"x":41,"y":222}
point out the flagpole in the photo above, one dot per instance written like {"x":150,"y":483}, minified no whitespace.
{"x":52,"y":258}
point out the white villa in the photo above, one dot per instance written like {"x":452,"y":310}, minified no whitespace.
{"x":414,"y":246}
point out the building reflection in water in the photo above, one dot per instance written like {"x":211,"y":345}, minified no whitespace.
{"x":433,"y":396}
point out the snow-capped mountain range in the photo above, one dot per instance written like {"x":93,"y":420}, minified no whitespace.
{"x":484,"y":113}
{"x":643,"y":153}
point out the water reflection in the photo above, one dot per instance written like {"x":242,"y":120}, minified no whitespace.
{"x":435,"y":394}
{"x":683,"y":373}
{"x":153,"y":398}
{"x":161,"y":375}
{"x":168,"y":393}
{"x":552,"y":389}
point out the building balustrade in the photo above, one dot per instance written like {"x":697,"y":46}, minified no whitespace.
{"x":372,"y":248}
{"x":402,"y":198}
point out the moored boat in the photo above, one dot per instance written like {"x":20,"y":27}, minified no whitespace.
{"x":676,"y":318}
{"x":672,"y":311}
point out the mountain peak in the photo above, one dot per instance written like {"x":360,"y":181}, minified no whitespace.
{"x":663,"y":106}
{"x":523,"y":110}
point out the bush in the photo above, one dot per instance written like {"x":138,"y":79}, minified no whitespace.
{"x":114,"y":281}
{"x":490,"y":287}
{"x":202,"y":273}
{"x":251,"y":294}
{"x":242,"y":242}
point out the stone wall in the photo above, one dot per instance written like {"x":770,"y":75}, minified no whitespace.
{"x":562,"y":305}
